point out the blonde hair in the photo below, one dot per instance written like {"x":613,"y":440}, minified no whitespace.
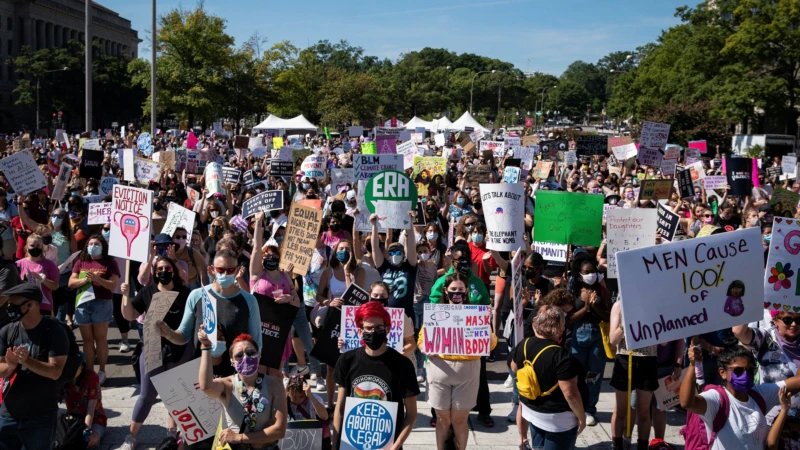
{"x":549,"y":322}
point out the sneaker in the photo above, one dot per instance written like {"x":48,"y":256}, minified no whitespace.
{"x":525,"y":445}
{"x":129,"y":444}
{"x":509,"y":383}
{"x":172,"y":432}
{"x":490,"y":358}
{"x":512,"y":416}
{"x":321,"y":384}
{"x":300,"y":370}
{"x":486,"y":420}
{"x":590,"y":420}
{"x":102,"y":376}
{"x":420,"y":376}
{"x":124,"y":347}
{"x":313,"y":378}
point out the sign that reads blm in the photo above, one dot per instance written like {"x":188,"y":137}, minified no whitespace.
{"x":592,"y":145}
{"x":368,"y":165}
{"x":263,"y":202}
{"x":302,"y":231}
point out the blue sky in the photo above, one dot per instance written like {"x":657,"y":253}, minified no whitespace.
{"x":534,"y":35}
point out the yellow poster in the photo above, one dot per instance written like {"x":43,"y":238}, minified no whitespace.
{"x":425,"y":169}
{"x":277,"y":142}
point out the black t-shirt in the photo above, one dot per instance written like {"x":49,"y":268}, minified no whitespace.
{"x":401,"y":281}
{"x":141,"y":303}
{"x":554,"y":365}
{"x":389,"y":377}
{"x":27,"y":395}
{"x":529,"y":312}
{"x":731,"y":224}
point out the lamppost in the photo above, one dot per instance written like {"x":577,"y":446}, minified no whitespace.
{"x":447,"y":91}
{"x":37,"y":91}
{"x":542,"y":104}
{"x":472,"y":86}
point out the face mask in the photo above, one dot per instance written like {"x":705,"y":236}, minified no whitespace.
{"x":374,"y":340}
{"x":47,"y":240}
{"x":467,"y":190}
{"x":396,"y":259}
{"x":56,"y":221}
{"x":35,"y":252}
{"x":306,"y":186}
{"x":214,"y":214}
{"x":95,"y":250}
{"x":225,"y":281}
{"x":708,"y":220}
{"x":106,"y":234}
{"x":742,"y":383}
{"x":463,"y":267}
{"x":456,"y":297}
{"x":74,"y":193}
{"x":768,"y":238}
{"x":74,"y":215}
{"x":424,"y":256}
{"x":698,"y":195}
{"x":248,"y":366}
{"x":216,"y":230}
{"x":343,"y":256}
{"x":170,"y":199}
{"x":171,"y":176}
{"x":590,"y":279}
{"x":335,"y":227}
{"x":477,"y":238}
{"x":162,"y":251}
{"x":279,"y":239}
{"x":530,"y":273}
{"x":164,"y":278}
{"x":432,"y":235}
{"x":595,"y":191}
{"x":431,"y":210}
{"x":460,"y":201}
{"x":754,"y":221}
{"x":14,"y":312}
{"x":181,"y":244}
{"x":271,"y":262}
{"x":629,"y":195}
{"x":477,"y":205}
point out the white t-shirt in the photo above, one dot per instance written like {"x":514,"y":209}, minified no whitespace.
{"x":746,"y":427}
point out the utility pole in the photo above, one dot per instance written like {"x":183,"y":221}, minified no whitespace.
{"x":153,"y":75}
{"x":88,"y":48}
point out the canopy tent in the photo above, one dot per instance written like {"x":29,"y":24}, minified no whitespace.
{"x":416,"y":122}
{"x":271,"y":122}
{"x":466,"y":120}
{"x":298,"y":123}
{"x":442,"y":124}
{"x":398,"y":123}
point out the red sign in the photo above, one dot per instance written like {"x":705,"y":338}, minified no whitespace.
{"x":529,"y":123}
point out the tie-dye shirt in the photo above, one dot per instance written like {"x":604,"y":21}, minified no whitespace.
{"x":773,"y":365}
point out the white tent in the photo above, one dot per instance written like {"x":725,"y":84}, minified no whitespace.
{"x":271,"y":122}
{"x":417,"y":122}
{"x":442,"y":124}
{"x":298,"y":123}
{"x":388,"y":123}
{"x":466,"y":120}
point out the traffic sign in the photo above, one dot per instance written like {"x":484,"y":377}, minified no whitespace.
{"x":391,"y":185}
{"x":538,"y":113}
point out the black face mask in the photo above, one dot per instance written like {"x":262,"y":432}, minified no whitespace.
{"x":157,"y":206}
{"x":530,"y":273}
{"x":335,"y":227}
{"x":47,"y":240}
{"x":216,"y":230}
{"x":35,"y":252}
{"x":14,"y":312}
{"x":431,"y":210}
{"x":164,"y":278}
{"x":463,"y":267}
{"x":271,"y":262}
{"x":170,"y":199}
{"x":374,"y":340}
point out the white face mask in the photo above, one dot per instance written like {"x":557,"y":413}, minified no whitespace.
{"x":396,"y":259}
{"x":424,"y":256}
{"x":214,"y":214}
{"x":754,"y":221}
{"x":590,"y":279}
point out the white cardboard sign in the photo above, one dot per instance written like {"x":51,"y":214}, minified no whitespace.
{"x":504,"y":209}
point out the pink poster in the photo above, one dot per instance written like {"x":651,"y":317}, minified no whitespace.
{"x":387,"y":145}
{"x":700,"y":145}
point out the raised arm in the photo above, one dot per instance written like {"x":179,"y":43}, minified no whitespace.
{"x":256,"y":266}
{"x":377,"y":254}
{"x":690,"y":401}
{"x":411,"y":241}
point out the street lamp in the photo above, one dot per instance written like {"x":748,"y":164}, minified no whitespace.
{"x":447,"y":91}
{"x":472,"y":86}
{"x":37,"y":92}
{"x":542,"y":104}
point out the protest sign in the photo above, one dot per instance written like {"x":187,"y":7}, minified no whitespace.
{"x":302,"y":231}
{"x":196,"y":414}
{"x":301,"y":435}
{"x":655,"y":189}
{"x":623,"y":152}
{"x":789,"y":166}
{"x":781,"y":285}
{"x":178,"y":217}
{"x":354,"y":131}
{"x":263,"y":202}
{"x":386,"y":145}
{"x":253,"y":142}
{"x":355,"y":296}
{"x":99,"y":213}
{"x":276,"y":322}
{"x":259,"y":152}
{"x":628,"y":229}
{"x":409,"y":150}
{"x":715,"y":182}
{"x":529,"y":140}
{"x":568,"y":218}
{"x":281,"y":168}
{"x":475,"y":174}
{"x":277,"y":142}
{"x":504,"y":206}
{"x":701,"y":146}
{"x":439,"y":140}
{"x":668,"y":222}
{"x":672,"y":152}
{"x":685,"y":186}
{"x":652,"y":143}
{"x":61,"y":184}
{"x":91,"y":144}
{"x":496,"y":147}
{"x":518,"y":281}
{"x":22,"y":172}
{"x":91,"y":165}
{"x":511,"y":175}
{"x":159,"y":306}
{"x":368,"y":423}
{"x":213,"y":177}
{"x":542,"y":170}
{"x":551,"y":252}
{"x":349,"y":334}
{"x":710,"y":276}
{"x":456,"y":330}
{"x":209,"y":314}
{"x":131,"y":220}
{"x":230,"y":175}
{"x":774,"y":172}
{"x":784,"y":201}
{"x":740,"y":176}
{"x":668,"y":167}
{"x":592,"y":145}
{"x":668,"y":393}
{"x":368,"y":165}
{"x":393,"y":214}
{"x":341,"y":179}
{"x":107,"y":184}
{"x":362,"y":218}
{"x":691,"y":153}
{"x":570,"y":157}
{"x":391,"y":186}
{"x":128,"y":163}
{"x":425,"y":168}
{"x":369,"y":148}
{"x":314,"y":166}
{"x":146,"y":170}
{"x":618,"y":141}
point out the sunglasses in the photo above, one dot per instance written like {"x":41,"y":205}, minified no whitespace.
{"x":395,"y":252}
{"x":181,"y":238}
{"x":789,"y":320}
{"x":227,"y":270}
{"x":163,"y":269}
{"x":739,"y":371}
{"x":469,"y":224}
{"x":58,"y":216}
{"x":249,"y":352}
{"x":708,"y":215}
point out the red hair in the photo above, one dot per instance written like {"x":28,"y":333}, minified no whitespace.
{"x":244,"y":337}
{"x":372,"y":310}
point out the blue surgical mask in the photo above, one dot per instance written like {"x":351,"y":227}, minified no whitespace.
{"x":75,"y":193}
{"x":225,"y":281}
{"x":95,"y":250}
{"x":106,"y":234}
{"x":56,"y":221}
{"x":343,"y":256}
{"x":432,"y":235}
{"x":768,"y":238}
{"x":477,"y":238}
{"x":460,"y":201}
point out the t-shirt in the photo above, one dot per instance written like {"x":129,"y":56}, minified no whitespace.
{"x":746,"y":427}
{"x":553,"y":365}
{"x":389,"y":377}
{"x":25,"y":394}
{"x":774,"y":364}
{"x":30,"y":270}
{"x":106,"y":268}
{"x":141,"y":303}
{"x":79,"y":396}
{"x":401,"y":281}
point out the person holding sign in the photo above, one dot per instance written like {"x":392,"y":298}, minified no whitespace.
{"x":399,"y":272}
{"x":453,"y":380}
{"x":168,"y":279}
{"x":377,"y":372}
{"x":303,"y":405}
{"x":37,"y":269}
{"x":255,"y":404}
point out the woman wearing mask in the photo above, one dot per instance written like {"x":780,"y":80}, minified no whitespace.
{"x":480,"y":256}
{"x":37,"y":269}
{"x":255,"y":405}
{"x":458,"y":208}
{"x":192,"y":259}
{"x":557,"y":416}
{"x":310,"y":285}
{"x":453,"y":380}
{"x":464,"y":227}
{"x":219,"y":226}
{"x":436,"y":241}
{"x":159,"y":213}
{"x":433,"y":216}
{"x":628,"y":197}
{"x":426,"y":275}
{"x":7,"y":213}
{"x":166,"y":280}
{"x":29,"y":218}
{"x":751,"y":219}
{"x":97,"y":271}
{"x":63,"y":240}
{"x":335,"y":233}
{"x":78,"y":220}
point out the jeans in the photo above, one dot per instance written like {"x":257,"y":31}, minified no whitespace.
{"x":303,"y":329}
{"x":514,"y":390}
{"x":547,"y":440}
{"x":32,"y":434}
{"x":587,"y":348}
{"x":419,"y":311}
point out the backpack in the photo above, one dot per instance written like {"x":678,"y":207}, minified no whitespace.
{"x":69,"y":433}
{"x":694,"y":432}
{"x":527,"y":381}
{"x":74,"y":354}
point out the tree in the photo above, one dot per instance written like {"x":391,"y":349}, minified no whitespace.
{"x":588,"y":76}
{"x":570,"y":98}
{"x":692,"y":121}
{"x":348,"y":96}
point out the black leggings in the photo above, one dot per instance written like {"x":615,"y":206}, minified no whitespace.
{"x":123,"y":325}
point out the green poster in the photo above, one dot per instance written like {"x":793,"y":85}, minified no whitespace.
{"x":390,"y":185}
{"x":568,"y":218}
{"x":369,"y":148}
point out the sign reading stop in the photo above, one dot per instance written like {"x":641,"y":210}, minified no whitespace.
{"x":391,"y":185}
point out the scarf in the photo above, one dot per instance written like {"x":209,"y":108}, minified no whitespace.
{"x":791,"y":349}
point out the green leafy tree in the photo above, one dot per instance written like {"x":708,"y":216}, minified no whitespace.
{"x":349,"y":97}
{"x":570,"y":98}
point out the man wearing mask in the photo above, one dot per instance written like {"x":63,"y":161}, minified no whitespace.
{"x":400,"y":270}
{"x":33,"y":352}
{"x":461,"y":261}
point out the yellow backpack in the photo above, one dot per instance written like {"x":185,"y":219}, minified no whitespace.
{"x":527,"y":381}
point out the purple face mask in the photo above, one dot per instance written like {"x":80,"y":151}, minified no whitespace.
{"x":247,"y":366}
{"x":741,"y":383}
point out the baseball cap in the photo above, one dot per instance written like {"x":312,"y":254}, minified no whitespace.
{"x":27,"y":290}
{"x":163,"y":239}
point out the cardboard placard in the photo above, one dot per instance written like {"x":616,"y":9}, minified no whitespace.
{"x":263,"y":202}
{"x":627,"y":229}
{"x":160,"y":305}
{"x":542,"y":169}
{"x":368,"y":165}
{"x":476,"y":174}
{"x":452,"y":330}
{"x":496,"y":147}
{"x":592,"y":145}
{"x":569,"y":218}
{"x":652,"y":143}
{"x":302,"y":230}
{"x":618,"y":141}
{"x":60,"y":188}
{"x":146,"y":170}
{"x":22,"y":172}
{"x":99,"y":213}
{"x":368,"y":423}
{"x":349,"y":333}
{"x":504,"y":206}
{"x":241,"y":141}
{"x":341,"y":179}
{"x":655,"y":189}
{"x":784,"y":201}
{"x":179,"y":217}
{"x":668,"y":167}
{"x":301,"y":435}
{"x":740,"y":176}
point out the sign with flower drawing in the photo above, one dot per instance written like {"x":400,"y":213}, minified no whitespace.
{"x":781,"y":280}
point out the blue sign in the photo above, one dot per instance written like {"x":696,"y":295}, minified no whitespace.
{"x":143,"y":141}
{"x":368,"y":425}
{"x":209,"y":316}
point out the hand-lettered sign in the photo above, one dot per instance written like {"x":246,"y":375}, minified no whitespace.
{"x":131,"y":219}
{"x":456,"y":330}
{"x":368,"y":424}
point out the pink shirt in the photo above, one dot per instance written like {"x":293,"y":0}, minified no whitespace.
{"x":30,"y":270}
{"x":265,"y":286}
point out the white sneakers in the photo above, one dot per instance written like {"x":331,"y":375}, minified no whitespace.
{"x":590,"y":420}
{"x":129,"y":444}
{"x":420,"y":376}
{"x":124,"y":347}
{"x":321,"y":384}
{"x":509,"y":383}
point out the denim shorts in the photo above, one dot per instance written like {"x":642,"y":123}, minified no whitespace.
{"x":94,"y":311}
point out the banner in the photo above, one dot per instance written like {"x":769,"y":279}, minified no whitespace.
{"x":740,"y":176}
{"x":301,"y":435}
{"x":263,"y":202}
{"x":496,"y":147}
{"x":91,"y":165}
{"x":655,"y":189}
{"x":668,"y":222}
{"x":456,"y":330}
{"x":504,"y":207}
{"x":146,"y":170}
{"x":628,"y":229}
{"x":782,"y":278}
{"x":179,"y":217}
{"x":302,"y":231}
{"x":391,"y":195}
{"x":368,"y":424}
{"x":592,"y":145}
{"x":22,"y":173}
{"x":365,"y":166}
{"x":349,"y":329}
{"x":685,"y":183}
{"x":99,"y":213}
{"x":231,"y":176}
{"x":131,"y":220}
{"x":314,"y":166}
{"x":690,"y":287}
{"x":668,"y":393}
{"x":551,"y":252}
{"x":196,"y":414}
{"x":213,"y":178}
{"x":568,"y":218}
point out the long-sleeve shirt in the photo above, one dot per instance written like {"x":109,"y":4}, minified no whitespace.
{"x":478,"y":294}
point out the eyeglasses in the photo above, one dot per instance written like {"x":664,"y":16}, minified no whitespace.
{"x":249,"y":352}
{"x":708,"y":215}
{"x":739,"y":371}
{"x":227,"y":270}
{"x":181,"y":238}
{"x":789,"y":320}
{"x":469,"y":224}
{"x":379,"y":329}
{"x":163,"y":269}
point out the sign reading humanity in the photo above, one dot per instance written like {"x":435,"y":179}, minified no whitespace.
{"x":718,"y":281}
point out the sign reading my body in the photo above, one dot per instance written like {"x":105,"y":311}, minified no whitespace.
{"x":129,"y":200}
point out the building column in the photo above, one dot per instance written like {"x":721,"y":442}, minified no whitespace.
{"x":57,"y":35}
{"x":40,"y":35}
